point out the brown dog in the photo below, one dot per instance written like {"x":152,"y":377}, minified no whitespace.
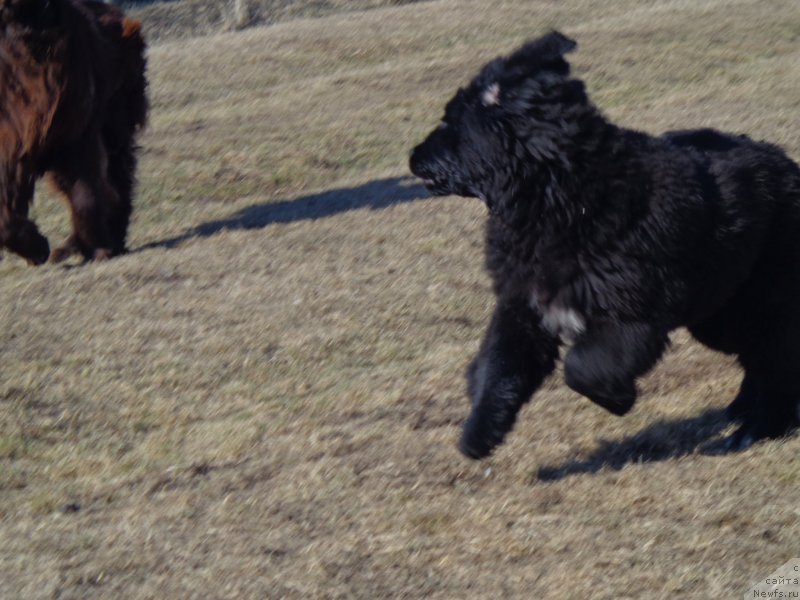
{"x":72,"y":98}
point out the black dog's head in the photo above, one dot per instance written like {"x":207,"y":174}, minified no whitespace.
{"x":508,"y":117}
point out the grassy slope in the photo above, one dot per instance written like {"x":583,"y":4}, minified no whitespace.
{"x":168,"y":19}
{"x":262,"y":399}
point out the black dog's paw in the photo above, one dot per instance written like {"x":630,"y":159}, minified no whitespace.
{"x":473,"y":450}
{"x":600,"y":385}
{"x":618,"y":400}
{"x":742,"y":406}
{"x":758,"y":427}
{"x":478,"y":437}
{"x":738,"y":410}
{"x":618,"y":405}
{"x":740,"y":440}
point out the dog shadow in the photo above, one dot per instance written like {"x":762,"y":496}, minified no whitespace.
{"x":375,"y":195}
{"x":663,"y":440}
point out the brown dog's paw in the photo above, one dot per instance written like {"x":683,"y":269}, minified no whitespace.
{"x":102,"y":254}
{"x":61,"y":254}
{"x":64,"y":251}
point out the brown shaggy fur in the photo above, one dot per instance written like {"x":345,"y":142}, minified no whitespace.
{"x":72,"y":98}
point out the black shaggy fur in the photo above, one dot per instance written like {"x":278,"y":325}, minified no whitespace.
{"x":608,"y":239}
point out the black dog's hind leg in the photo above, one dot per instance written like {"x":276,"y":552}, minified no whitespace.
{"x":516,"y":355}
{"x":608,"y":357}
{"x":745,"y":401}
{"x":768,"y":405}
{"x":767,"y":411}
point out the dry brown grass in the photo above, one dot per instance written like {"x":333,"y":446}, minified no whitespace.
{"x":168,"y":19}
{"x":262,"y":400}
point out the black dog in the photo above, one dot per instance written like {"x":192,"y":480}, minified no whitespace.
{"x":609,"y":238}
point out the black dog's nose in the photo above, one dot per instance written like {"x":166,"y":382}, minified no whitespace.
{"x":419,"y":161}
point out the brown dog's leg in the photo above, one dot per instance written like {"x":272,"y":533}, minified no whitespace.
{"x":121,"y":168}
{"x":18,"y":233}
{"x":83,"y":178}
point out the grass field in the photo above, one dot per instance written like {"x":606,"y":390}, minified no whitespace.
{"x":171,"y":19}
{"x":262,"y":399}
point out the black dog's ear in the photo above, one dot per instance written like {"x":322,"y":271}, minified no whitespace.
{"x":548,"y":47}
{"x":542,"y":52}
{"x":557,"y":44}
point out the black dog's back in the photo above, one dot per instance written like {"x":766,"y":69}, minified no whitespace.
{"x":753,"y":191}
{"x":756,"y":186}
{"x":706,"y":140}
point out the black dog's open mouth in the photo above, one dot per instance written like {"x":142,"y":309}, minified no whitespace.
{"x":433,"y":176}
{"x":435,"y":186}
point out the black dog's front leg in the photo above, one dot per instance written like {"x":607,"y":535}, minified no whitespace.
{"x":608,"y":357}
{"x":516,"y":355}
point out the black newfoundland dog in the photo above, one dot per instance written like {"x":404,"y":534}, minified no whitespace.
{"x":608,"y":239}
